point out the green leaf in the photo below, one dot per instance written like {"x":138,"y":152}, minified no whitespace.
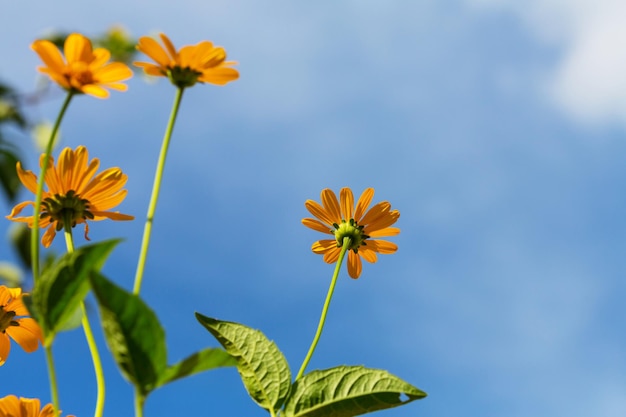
{"x":9,"y":180}
{"x":133,"y":333}
{"x":262,"y":366}
{"x":204,"y":360}
{"x":347,"y":391}
{"x":63,"y":286}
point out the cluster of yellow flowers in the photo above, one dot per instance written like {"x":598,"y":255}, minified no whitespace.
{"x":76,"y":193}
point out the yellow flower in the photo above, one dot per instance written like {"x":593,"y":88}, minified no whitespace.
{"x":202,"y":63}
{"x":11,"y":406}
{"x":360,"y":225}
{"x":86,"y":70}
{"x":74,"y":195}
{"x":24,"y":330}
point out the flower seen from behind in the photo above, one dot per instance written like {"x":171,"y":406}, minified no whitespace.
{"x":83,"y":70}
{"x":75,"y":193}
{"x":11,"y":406}
{"x":341,"y":219}
{"x":14,"y":323}
{"x":202,"y":63}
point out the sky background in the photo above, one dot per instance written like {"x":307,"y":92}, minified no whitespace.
{"x":496,"y":127}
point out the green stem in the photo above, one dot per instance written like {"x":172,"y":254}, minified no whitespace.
{"x":91,"y":341}
{"x":139,"y":402}
{"x":147,"y":231}
{"x":34,"y":237}
{"x":329,"y":296}
{"x":52,"y":376}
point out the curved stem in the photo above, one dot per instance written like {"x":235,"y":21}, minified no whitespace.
{"x":52,"y":376}
{"x":91,"y":341}
{"x":34,"y":237}
{"x":158,"y":176}
{"x":329,"y":296}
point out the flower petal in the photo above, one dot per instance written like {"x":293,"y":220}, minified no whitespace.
{"x":323,"y":246}
{"x":318,"y":211}
{"x":364,"y":201}
{"x":5,"y":348}
{"x":50,"y":55}
{"x":151,"y":48}
{"x":382,"y":246}
{"x":368,"y":254}
{"x":331,"y":205}
{"x":317,"y":225}
{"x":347,"y":203}
{"x":386,"y":232}
{"x":28,"y":334}
{"x":354,"y":265}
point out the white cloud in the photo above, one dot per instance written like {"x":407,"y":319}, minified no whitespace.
{"x":589,"y":80}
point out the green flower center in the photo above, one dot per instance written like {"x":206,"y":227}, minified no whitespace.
{"x":183,"y":77}
{"x":68,"y":208}
{"x":6,"y":319}
{"x":352,"y":230}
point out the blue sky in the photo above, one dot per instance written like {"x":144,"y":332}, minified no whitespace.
{"x":496,"y":129}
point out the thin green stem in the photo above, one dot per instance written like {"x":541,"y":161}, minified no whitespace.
{"x":34,"y":243}
{"x":329,"y":296}
{"x":52,"y":376}
{"x":156,"y":187}
{"x":34,"y":237}
{"x":139,"y":402}
{"x":91,"y":341}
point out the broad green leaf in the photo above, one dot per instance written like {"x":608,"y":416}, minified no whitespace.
{"x":133,"y":333}
{"x":9,"y":180}
{"x":262,"y":366}
{"x":63,"y":286}
{"x":204,"y":360}
{"x":347,"y":391}
{"x":19,"y":236}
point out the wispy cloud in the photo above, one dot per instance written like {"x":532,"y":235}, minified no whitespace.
{"x":587,"y":81}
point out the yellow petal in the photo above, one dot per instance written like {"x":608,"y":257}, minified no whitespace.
{"x":5,"y":348}
{"x":347,"y":203}
{"x":112,"y":215}
{"x":387,"y":231}
{"x":27,"y":178}
{"x":318,"y":211}
{"x":48,"y":237}
{"x":77,"y":48}
{"x":316,"y":225}
{"x":151,"y":48}
{"x":49,"y":54}
{"x":368,"y":254}
{"x":382,"y":246}
{"x":219,"y":75}
{"x":27,"y":334}
{"x":113,"y":73}
{"x":100,"y":57}
{"x":382,"y":222}
{"x":331,"y":205}
{"x":10,"y":405}
{"x":364,"y":201}
{"x":332,"y":255}
{"x":168,"y":45}
{"x":95,"y":90}
{"x":354,"y":265}
{"x":323,"y":246}
{"x":18,"y":209}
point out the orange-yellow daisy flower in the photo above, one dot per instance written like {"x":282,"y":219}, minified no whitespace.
{"x":341,"y":219}
{"x":84,"y":70}
{"x":24,"y":330}
{"x":202,"y":63}
{"x":11,"y":406}
{"x":74,"y":194}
